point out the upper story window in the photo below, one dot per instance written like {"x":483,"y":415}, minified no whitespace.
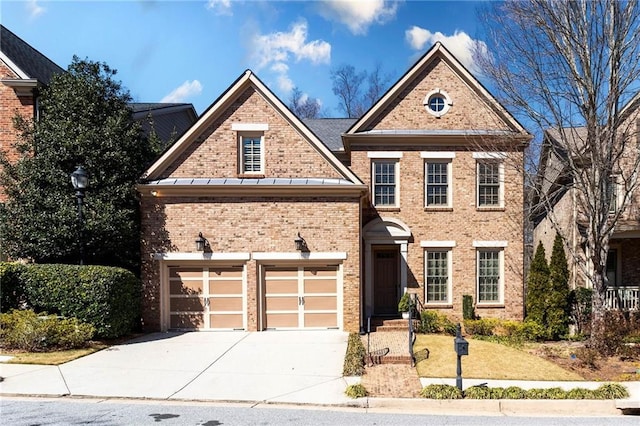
{"x":437,"y":103}
{"x":251,"y":149}
{"x":385,"y":169}
{"x":490,"y":180}
{"x":252,"y":155}
{"x":612,"y":193}
{"x":437,"y":178}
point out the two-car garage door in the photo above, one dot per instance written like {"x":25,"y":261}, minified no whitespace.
{"x":301,"y":297}
{"x":208,"y":297}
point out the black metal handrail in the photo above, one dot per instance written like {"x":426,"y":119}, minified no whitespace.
{"x":414,"y":304}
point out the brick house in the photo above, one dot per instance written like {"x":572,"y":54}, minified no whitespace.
{"x":324,"y":223}
{"x":623,"y":261}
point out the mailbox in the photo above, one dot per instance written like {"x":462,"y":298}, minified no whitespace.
{"x":460,"y":345}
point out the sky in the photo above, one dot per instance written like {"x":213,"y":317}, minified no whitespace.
{"x":192,"y":51}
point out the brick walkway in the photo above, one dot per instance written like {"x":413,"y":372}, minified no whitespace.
{"x":390,"y":380}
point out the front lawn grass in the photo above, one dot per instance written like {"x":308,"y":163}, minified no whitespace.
{"x":53,"y":357}
{"x":486,"y":360}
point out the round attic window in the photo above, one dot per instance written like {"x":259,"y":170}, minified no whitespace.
{"x":437,"y":103}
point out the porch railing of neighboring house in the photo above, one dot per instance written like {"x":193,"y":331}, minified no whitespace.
{"x":623,"y":298}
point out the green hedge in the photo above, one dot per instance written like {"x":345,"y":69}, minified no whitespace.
{"x":605,"y":391}
{"x":12,"y":293}
{"x":106,"y":297}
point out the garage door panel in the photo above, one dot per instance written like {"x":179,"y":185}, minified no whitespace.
{"x":328,"y":271}
{"x":226,"y":321}
{"x":189,"y":304}
{"x":289,"y":320}
{"x":320,"y":320}
{"x":187,"y":320}
{"x":225,"y":304}
{"x":186,"y":287}
{"x":317,"y":303}
{"x":320,"y":286}
{"x":185,"y":273}
{"x":225,"y":287}
{"x":282,"y":304}
{"x":225,"y":272}
{"x":282,"y":287}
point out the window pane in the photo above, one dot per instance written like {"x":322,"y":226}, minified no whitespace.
{"x":489,"y":276}
{"x":384,"y":183}
{"x":488,"y":184}
{"x":437,"y":278}
{"x":251,"y":154}
{"x":437,"y":184}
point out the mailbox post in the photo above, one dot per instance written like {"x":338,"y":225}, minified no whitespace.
{"x":461,"y":346}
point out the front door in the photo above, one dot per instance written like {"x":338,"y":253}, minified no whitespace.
{"x":386,"y":280}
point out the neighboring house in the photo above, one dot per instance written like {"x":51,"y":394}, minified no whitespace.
{"x":24,"y":71}
{"x":326,"y":223}
{"x":623,"y":262}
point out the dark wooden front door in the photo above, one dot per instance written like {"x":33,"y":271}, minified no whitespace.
{"x":386,"y":280}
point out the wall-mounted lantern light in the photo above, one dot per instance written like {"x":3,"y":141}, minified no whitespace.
{"x":301,"y":244}
{"x":202,"y":243}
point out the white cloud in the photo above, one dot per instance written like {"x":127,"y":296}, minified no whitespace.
{"x":280,"y":46}
{"x":285,"y":84}
{"x":459,"y":44}
{"x":34,"y":9}
{"x":183,"y":92}
{"x":220,"y":7}
{"x":358,"y":15}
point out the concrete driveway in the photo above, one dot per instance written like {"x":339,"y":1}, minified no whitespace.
{"x":274,"y":366}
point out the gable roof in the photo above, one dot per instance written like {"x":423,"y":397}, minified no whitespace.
{"x":437,"y":50}
{"x":169,"y":120}
{"x":330,"y":130}
{"x":24,"y":60}
{"x":246,"y":80}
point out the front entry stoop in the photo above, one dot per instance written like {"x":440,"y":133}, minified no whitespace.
{"x":390,"y":346}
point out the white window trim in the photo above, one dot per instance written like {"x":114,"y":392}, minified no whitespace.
{"x":449,"y":251}
{"x":437,"y":244}
{"x":241,"y":152}
{"x":486,"y":155}
{"x":500,"y":301}
{"x":249,"y":127}
{"x":397,"y":185}
{"x":490,"y":244}
{"x":500,"y":187}
{"x":438,"y":154}
{"x":449,"y":183}
{"x":385,"y":154}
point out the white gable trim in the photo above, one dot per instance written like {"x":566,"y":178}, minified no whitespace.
{"x":13,"y":67}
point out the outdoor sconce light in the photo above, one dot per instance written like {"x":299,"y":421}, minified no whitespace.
{"x":461,"y":347}
{"x":201,"y":243}
{"x":301,"y":244}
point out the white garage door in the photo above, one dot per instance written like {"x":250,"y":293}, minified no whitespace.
{"x":301,"y":297}
{"x":206,"y":297}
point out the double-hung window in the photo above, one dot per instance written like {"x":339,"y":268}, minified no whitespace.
{"x":490,"y":271}
{"x":437,"y":178}
{"x":490,"y":180}
{"x":437,"y":271}
{"x":385,"y":179}
{"x":612,"y":193}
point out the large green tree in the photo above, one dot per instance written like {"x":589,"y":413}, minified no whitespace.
{"x":84,"y":120}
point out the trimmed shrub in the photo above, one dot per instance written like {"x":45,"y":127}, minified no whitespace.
{"x":441,"y":392}
{"x":611,"y":391}
{"x":106,"y":297}
{"x":580,"y":301}
{"x":580,"y":393}
{"x":537,"y":287}
{"x":28,"y":331}
{"x":356,"y":391}
{"x":557,"y":310}
{"x":481,"y":327}
{"x":354,"y":358}
{"x":11,"y":288}
{"x":514,"y":392}
{"x":467,"y":307}
{"x":478,"y":392}
{"x":434,"y":322}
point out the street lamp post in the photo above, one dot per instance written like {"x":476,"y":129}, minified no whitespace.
{"x":80,"y":181}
